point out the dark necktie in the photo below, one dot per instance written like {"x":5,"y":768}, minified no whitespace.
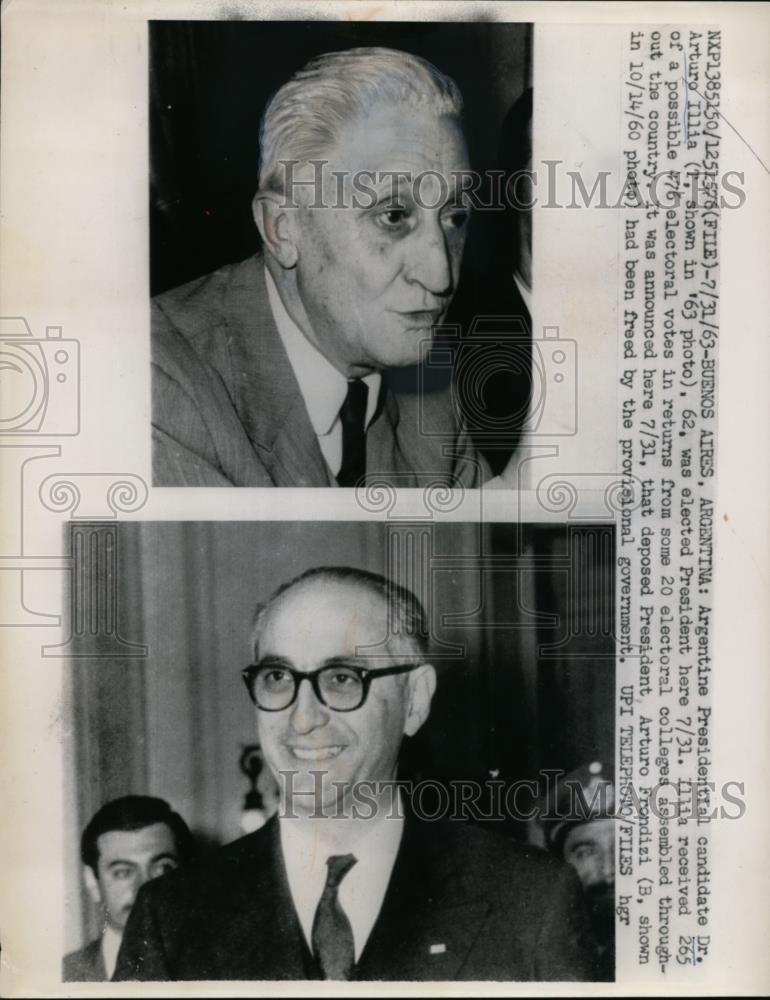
{"x":353,"y":420}
{"x":332,"y":935}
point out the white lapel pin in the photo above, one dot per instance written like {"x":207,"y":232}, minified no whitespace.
{"x":437,"y":949}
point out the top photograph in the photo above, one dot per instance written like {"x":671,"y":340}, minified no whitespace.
{"x":340,"y":252}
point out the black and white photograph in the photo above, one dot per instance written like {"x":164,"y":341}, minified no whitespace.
{"x":461,"y":685}
{"x":382,"y":752}
{"x":337,"y":215}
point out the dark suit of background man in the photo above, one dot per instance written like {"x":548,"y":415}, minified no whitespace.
{"x":580,"y":827}
{"x":275,"y":371}
{"x":126,"y":843}
{"x":342,"y":884}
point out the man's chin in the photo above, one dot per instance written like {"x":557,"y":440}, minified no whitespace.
{"x":411,"y":354}
{"x":326,"y":799}
{"x":312,"y":785}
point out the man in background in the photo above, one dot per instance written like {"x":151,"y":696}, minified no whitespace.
{"x":581,"y":830}
{"x":128,"y":842}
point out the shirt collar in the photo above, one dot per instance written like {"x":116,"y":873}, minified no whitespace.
{"x":110,"y":947}
{"x":377,"y":842}
{"x":305,"y":852}
{"x":524,"y":291}
{"x":323,"y":387}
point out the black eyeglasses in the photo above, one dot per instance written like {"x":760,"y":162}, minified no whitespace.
{"x":343,"y":686}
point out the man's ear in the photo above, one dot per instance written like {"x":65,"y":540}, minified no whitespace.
{"x":276,"y":225}
{"x":92,"y":884}
{"x":422,"y":685}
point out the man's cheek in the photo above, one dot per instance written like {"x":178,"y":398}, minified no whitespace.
{"x":269,"y":744}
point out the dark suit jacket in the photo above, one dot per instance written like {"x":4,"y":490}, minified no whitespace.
{"x":501,"y":911}
{"x":227,"y":409}
{"x":86,"y":965}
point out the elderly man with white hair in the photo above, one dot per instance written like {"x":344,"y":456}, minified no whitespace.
{"x":275,"y":371}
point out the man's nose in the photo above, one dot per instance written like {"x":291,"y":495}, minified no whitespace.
{"x":430,"y":262}
{"x":307,"y":712}
{"x":140,"y":877}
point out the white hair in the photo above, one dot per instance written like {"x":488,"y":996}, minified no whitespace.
{"x":303,"y":119}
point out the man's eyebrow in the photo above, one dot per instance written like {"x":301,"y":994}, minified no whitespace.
{"x":331,"y":661}
{"x":121,"y":861}
{"x":359,"y":662}
{"x":385,"y":185}
{"x":582,"y":842}
{"x":395,"y":197}
{"x":163,"y":856}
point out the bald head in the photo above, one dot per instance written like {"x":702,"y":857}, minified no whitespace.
{"x":404,"y":624}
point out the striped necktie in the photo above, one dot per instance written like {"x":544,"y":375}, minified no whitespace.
{"x":332,"y":935}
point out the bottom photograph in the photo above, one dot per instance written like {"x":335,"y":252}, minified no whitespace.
{"x":339,"y":750}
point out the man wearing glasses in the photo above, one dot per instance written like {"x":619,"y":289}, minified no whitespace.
{"x":342,"y":884}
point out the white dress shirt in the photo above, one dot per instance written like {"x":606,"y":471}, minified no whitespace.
{"x":524,"y":290}
{"x":362,"y":890}
{"x":323,"y":387}
{"x":110,"y":947}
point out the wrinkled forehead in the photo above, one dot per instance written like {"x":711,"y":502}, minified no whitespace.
{"x":401,"y":136}
{"x":394,"y":150}
{"x":321,"y":619}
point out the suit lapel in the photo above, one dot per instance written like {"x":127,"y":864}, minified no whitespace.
{"x":428,"y":922}
{"x":261,"y":937}
{"x":266,"y":393}
{"x":95,"y":957}
{"x":414,"y":438}
{"x":413,"y":431}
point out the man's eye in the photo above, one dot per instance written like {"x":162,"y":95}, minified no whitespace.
{"x":392,"y":218}
{"x":163,"y":867}
{"x":457,"y":219}
{"x":341,"y":680}
{"x":275,"y":676}
{"x":122,"y":873}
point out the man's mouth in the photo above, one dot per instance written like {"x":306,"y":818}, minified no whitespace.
{"x":422,"y":317}
{"x":316,"y":753}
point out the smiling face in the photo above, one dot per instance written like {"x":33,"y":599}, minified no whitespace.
{"x":128,"y":859}
{"x":313,"y":623}
{"x":374,"y":278}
